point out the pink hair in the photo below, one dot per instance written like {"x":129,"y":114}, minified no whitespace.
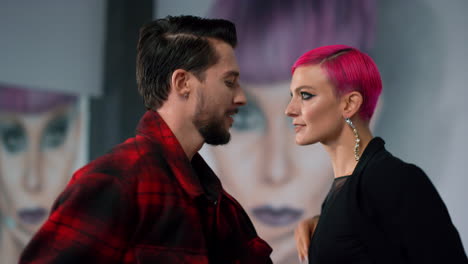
{"x":349,"y":70}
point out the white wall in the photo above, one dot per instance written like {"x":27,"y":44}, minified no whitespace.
{"x":53,"y":44}
{"x":181,"y":7}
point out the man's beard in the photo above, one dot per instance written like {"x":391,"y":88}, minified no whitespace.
{"x":212,"y":130}
{"x":210,"y":127}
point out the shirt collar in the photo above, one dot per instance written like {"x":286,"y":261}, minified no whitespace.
{"x":372,"y":148}
{"x":195,"y":177}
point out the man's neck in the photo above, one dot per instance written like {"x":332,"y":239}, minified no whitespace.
{"x":184,"y":130}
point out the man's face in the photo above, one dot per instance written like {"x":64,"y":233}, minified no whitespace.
{"x":218,"y":97}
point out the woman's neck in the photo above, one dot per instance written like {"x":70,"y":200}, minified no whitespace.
{"x":341,"y":150}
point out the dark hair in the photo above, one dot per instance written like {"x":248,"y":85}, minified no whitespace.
{"x":172,"y":43}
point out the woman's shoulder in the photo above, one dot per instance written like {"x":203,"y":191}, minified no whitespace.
{"x":385,"y":171}
{"x":389,"y":182}
{"x":384,"y":163}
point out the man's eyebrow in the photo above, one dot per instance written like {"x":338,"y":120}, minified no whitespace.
{"x":231,"y":73}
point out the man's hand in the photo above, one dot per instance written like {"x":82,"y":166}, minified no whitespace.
{"x":302,"y":234}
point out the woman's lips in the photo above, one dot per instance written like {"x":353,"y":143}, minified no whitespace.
{"x":297,"y":128}
{"x":277,"y":216}
{"x":32,"y":216}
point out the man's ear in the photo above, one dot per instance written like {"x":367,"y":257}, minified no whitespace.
{"x":352,"y":102}
{"x":180,"y":82}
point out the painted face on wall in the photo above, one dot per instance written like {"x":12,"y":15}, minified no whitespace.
{"x":277,"y":182}
{"x":37,"y":155}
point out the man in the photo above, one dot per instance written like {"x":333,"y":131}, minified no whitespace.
{"x":153,"y":199}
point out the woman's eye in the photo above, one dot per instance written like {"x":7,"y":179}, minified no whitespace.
{"x":306,"y":96}
{"x":55,"y":133}
{"x":13,"y":138}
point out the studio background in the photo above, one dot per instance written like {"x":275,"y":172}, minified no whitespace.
{"x":86,"y":50}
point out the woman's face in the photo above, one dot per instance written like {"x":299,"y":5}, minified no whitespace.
{"x":276,"y":181}
{"x":37,"y":154}
{"x":316,"y":112}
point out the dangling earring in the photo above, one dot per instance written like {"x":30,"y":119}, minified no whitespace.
{"x":357,"y":139}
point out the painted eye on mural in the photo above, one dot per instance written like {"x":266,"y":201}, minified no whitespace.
{"x":250,"y":117}
{"x":13,"y":137}
{"x":289,"y":121}
{"x":55,"y":132}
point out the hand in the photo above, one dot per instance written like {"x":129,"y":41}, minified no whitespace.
{"x":302,"y":234}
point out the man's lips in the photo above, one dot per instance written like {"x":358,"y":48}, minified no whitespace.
{"x":230,"y":115}
{"x":232,"y":112}
{"x":277,"y":216}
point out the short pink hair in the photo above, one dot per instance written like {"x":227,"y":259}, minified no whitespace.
{"x":349,"y":70}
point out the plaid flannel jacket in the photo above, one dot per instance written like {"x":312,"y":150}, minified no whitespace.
{"x":145,"y":202}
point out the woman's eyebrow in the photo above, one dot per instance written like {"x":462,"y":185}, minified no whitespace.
{"x":303,"y":87}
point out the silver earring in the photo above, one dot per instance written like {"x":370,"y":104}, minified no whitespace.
{"x":185,"y":95}
{"x":357,"y":139}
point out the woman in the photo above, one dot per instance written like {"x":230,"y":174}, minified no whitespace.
{"x":39,"y":137}
{"x":379,"y":209}
{"x":279,"y":183}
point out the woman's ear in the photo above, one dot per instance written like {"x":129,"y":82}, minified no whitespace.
{"x":180,"y":82}
{"x":352,"y":103}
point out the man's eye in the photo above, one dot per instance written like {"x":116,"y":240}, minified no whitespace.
{"x":306,"y":96}
{"x":229,"y":84}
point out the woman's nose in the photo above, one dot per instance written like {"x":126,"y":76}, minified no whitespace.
{"x":291,"y":109}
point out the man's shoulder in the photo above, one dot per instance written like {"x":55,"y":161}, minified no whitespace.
{"x":124,"y":161}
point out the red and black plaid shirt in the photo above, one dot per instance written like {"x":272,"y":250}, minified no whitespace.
{"x":145,"y":202}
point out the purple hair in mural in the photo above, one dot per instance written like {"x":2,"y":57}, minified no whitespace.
{"x":272,"y":34}
{"x":27,"y":101}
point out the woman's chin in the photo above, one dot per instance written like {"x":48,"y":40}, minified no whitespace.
{"x":301,"y":141}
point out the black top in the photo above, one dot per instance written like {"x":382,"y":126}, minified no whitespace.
{"x":387,"y":211}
